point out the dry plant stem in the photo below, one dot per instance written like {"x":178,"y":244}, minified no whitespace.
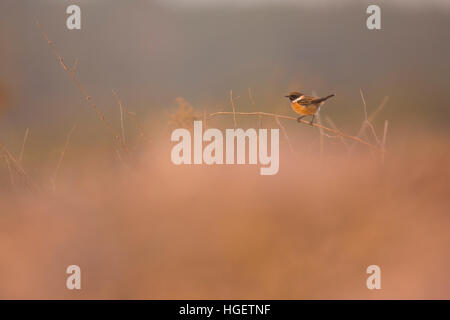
{"x":18,"y":167}
{"x":333,"y":125}
{"x":380,"y":107}
{"x":367,"y":122}
{"x":131,"y":115}
{"x":361,"y":129}
{"x":234,"y":110}
{"x":321,"y":135}
{"x":386,"y":124}
{"x":383,"y":142}
{"x":61,"y":157}
{"x":75,"y":63}
{"x":337,"y":132}
{"x":204,"y":119}
{"x":366,"y":137}
{"x":121,"y":115}
{"x":370,"y":119}
{"x":372,"y":129}
{"x":283,"y":129}
{"x":25,"y":138}
{"x":119,"y":156}
{"x":11,"y":175}
{"x":121,"y":124}
{"x":366,"y":119}
{"x":360,"y":133}
{"x":254,"y":106}
{"x":364,"y":104}
{"x":72,"y":74}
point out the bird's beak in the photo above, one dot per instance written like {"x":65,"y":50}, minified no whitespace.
{"x":286,"y":96}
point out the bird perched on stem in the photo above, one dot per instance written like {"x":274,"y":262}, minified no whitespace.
{"x":306,"y":105}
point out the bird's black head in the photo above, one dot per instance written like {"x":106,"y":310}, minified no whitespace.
{"x":293,"y":95}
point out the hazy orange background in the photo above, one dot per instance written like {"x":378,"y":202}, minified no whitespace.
{"x":145,"y":228}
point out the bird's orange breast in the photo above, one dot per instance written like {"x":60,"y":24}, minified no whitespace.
{"x":309,"y":110}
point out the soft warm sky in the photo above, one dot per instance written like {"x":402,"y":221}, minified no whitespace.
{"x":406,"y":3}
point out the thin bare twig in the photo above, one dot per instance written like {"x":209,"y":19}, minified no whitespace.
{"x":283,"y":129}
{"x":119,"y":156}
{"x":18,"y":167}
{"x":367,"y":120}
{"x":130,"y":114}
{"x":364,"y":103}
{"x":373,"y":116}
{"x":72,"y":74}
{"x":61,"y":157}
{"x":23,"y":145}
{"x":372,"y":129}
{"x":322,"y":142}
{"x":383,"y":142}
{"x":378,"y":110}
{"x":254,"y":106}
{"x":366,"y":137}
{"x":321,"y":133}
{"x":337,"y":132}
{"x":121,"y":114}
{"x":11,"y":174}
{"x":234,"y":109}
{"x":333,"y":125}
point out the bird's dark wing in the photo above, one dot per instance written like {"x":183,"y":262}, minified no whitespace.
{"x":307,"y":100}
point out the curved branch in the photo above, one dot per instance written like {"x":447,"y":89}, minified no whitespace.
{"x":337,"y":132}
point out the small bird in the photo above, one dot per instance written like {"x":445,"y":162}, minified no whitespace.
{"x":306,"y":105}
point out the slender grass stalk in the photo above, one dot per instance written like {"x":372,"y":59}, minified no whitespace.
{"x":61,"y":157}
{"x":25,"y":138}
{"x":88,"y":98}
{"x":234,"y":109}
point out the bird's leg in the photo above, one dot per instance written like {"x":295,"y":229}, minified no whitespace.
{"x":300,"y":118}
{"x":312,"y":120}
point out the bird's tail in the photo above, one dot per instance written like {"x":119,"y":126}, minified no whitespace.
{"x":325,"y":98}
